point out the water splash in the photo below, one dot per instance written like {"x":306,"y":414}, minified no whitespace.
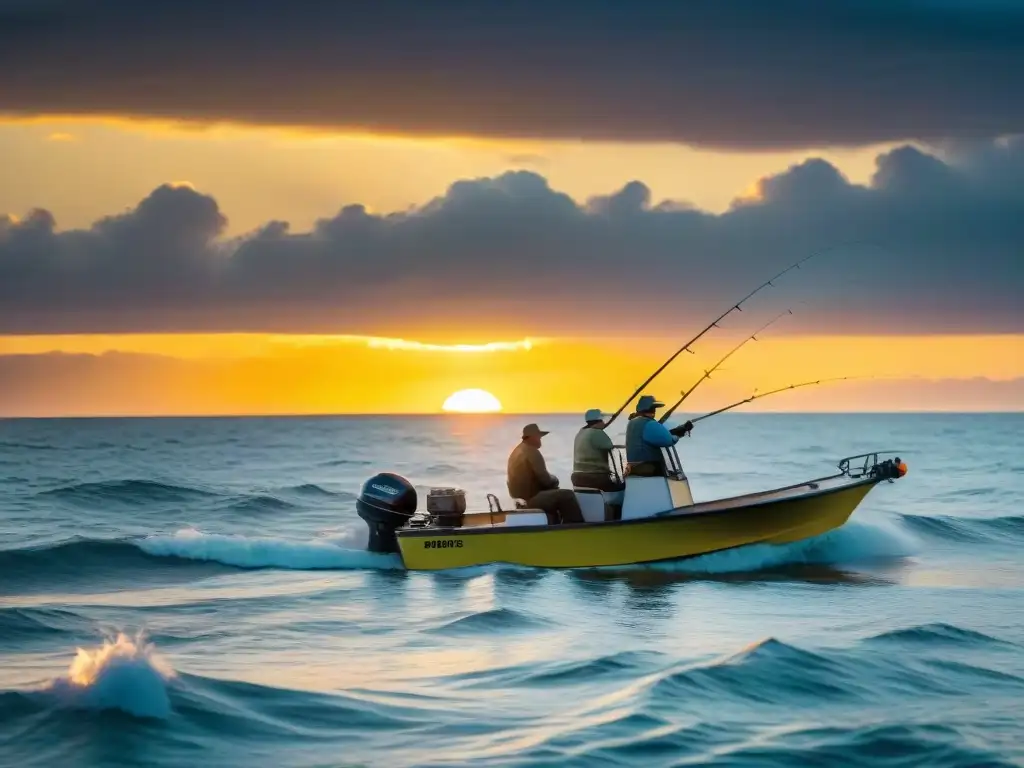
{"x":337,"y":551}
{"x":124,"y":673}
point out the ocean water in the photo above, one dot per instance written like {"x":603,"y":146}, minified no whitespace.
{"x":195,"y":592}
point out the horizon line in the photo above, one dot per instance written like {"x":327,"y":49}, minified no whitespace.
{"x":453,"y":415}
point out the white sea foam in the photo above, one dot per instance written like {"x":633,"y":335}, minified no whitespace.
{"x":345,"y":550}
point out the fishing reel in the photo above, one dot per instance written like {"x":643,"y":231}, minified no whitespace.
{"x":683,"y":430}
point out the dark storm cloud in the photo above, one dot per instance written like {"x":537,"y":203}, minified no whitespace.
{"x":927,"y":246}
{"x":726,"y":73}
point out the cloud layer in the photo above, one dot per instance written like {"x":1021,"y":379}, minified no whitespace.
{"x":725,"y":73}
{"x":927,"y":246}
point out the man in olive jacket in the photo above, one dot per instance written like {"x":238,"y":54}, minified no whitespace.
{"x":591,"y":454}
{"x":529,"y":479}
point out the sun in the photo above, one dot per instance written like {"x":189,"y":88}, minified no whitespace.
{"x":471,"y":401}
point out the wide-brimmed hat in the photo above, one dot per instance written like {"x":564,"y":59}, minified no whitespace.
{"x":532,"y":430}
{"x":648,"y":403}
{"x":594,"y":414}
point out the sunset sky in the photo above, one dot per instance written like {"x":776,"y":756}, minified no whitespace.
{"x":303,"y":207}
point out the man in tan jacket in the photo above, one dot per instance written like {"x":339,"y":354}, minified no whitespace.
{"x":529,"y":479}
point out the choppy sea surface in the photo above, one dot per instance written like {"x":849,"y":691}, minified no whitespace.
{"x":192,"y":592}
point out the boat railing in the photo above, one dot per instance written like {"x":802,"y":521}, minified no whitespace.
{"x":617,"y":463}
{"x":673,"y":465}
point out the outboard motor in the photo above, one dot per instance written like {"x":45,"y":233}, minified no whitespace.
{"x":386,"y":502}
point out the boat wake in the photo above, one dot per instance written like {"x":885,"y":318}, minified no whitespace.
{"x":857,"y":542}
{"x":79,"y":563}
{"x":343,"y":551}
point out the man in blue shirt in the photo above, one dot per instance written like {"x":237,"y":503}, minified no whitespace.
{"x":645,"y":437}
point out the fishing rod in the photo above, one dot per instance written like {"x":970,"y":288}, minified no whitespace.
{"x":734,"y":308}
{"x":765,"y":394}
{"x":707,"y":374}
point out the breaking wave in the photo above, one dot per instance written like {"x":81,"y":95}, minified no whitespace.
{"x":124,"y":674}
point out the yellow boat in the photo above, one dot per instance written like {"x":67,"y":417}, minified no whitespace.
{"x":654,"y":519}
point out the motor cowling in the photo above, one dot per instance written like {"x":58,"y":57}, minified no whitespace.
{"x":386,"y":502}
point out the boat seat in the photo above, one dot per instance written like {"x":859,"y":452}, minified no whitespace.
{"x":597,"y":505}
{"x":592,"y":504}
{"x":527,"y":516}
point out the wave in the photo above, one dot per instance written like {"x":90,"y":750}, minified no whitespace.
{"x":28,"y":446}
{"x":76,"y":564}
{"x":966,"y":530}
{"x":697,"y":742}
{"x":329,"y":553}
{"x":441,"y":469}
{"x":126,"y":678}
{"x":640,"y":707}
{"x":870,"y":746}
{"x":498,"y":620}
{"x":260,"y":504}
{"x":587,"y":670}
{"x":768,"y":671}
{"x":74,"y":561}
{"x":127,"y":492}
{"x":664,"y":716}
{"x":22,"y":625}
{"x":125,"y":674}
{"x":142,"y":492}
{"x":938,"y":634}
{"x":344,"y":463}
{"x":773,"y":672}
{"x":316,"y":491}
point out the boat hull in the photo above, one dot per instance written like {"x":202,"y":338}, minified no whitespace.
{"x":672,"y":536}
